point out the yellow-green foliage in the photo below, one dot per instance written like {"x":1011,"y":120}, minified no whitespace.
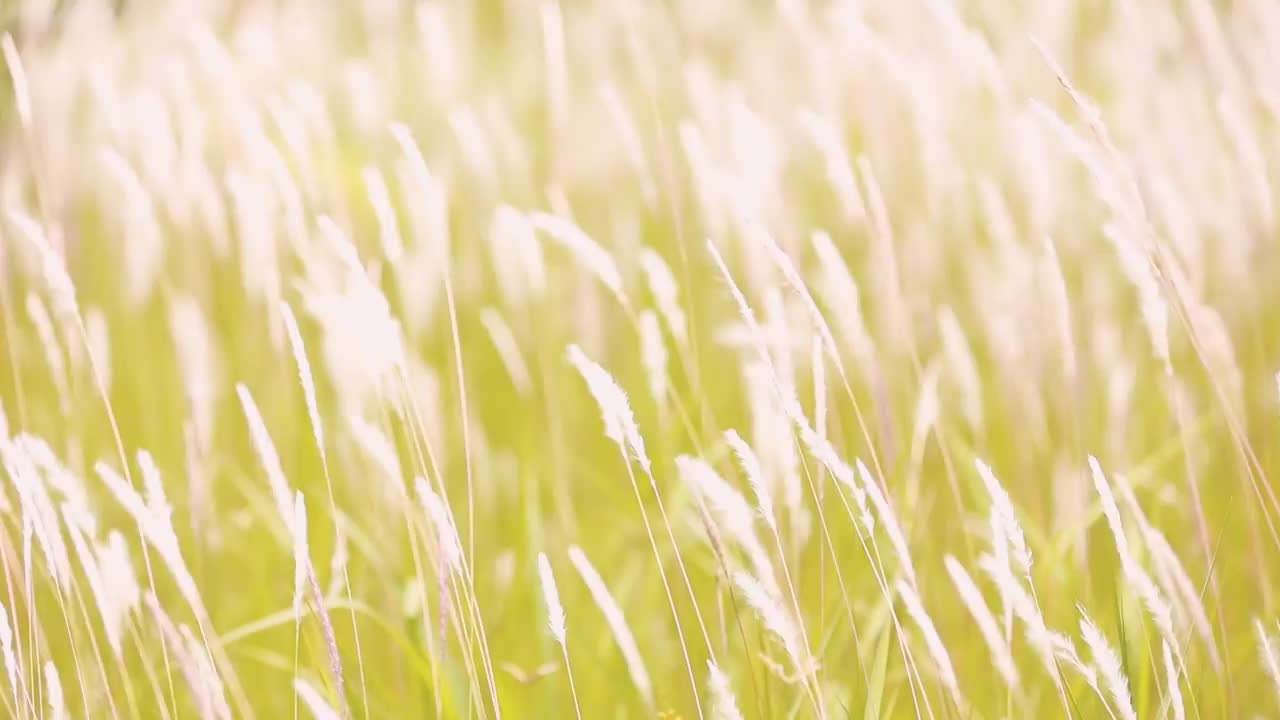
{"x":714,"y":358}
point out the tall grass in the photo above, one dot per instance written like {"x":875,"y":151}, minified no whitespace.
{"x":871,"y":359}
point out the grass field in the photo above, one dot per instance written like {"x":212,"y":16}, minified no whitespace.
{"x":720,"y":359}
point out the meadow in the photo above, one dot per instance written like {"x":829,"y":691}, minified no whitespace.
{"x":707,"y":360}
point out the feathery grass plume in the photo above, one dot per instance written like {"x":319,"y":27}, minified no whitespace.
{"x":53,"y":357}
{"x":777,"y":328}
{"x":889,"y":520}
{"x":1056,"y":286}
{"x":925,"y":420}
{"x":327,"y":632}
{"x":381,"y":451}
{"x":662,"y":285}
{"x":21,"y":92}
{"x":388,"y":228}
{"x":937,"y":649}
{"x":446,"y":532}
{"x":435,"y":35}
{"x":429,"y":206}
{"x":475,"y":147}
{"x":144,"y":244}
{"x":789,"y":272}
{"x":732,"y":511}
{"x":822,"y":450}
{"x":838,"y":290}
{"x":619,"y":423}
{"x":653,"y":353}
{"x":427,"y":202}
{"x":1134,"y":574}
{"x":706,"y":176}
{"x":152,"y":516}
{"x":197,"y":365}
{"x":304,"y":375}
{"x":266,"y":451}
{"x":771,"y":432}
{"x":252,"y":201}
{"x":1268,"y":648}
{"x":202,"y":679}
{"x":12,"y":669}
{"x":1010,"y":542}
{"x":1174,"y":580}
{"x":756,"y":334}
{"x":786,"y":397}
{"x":57,"y":706}
{"x":629,"y":136}
{"x":556,"y":620}
{"x":119,"y":582}
{"x":585,"y":250}
{"x":723,"y":705}
{"x":750,"y":465}
{"x":617,"y":623}
{"x":362,"y":339}
{"x":1213,"y":342}
{"x":972,"y":598}
{"x":962,"y":368}
{"x":38,"y":514}
{"x":1020,"y":604}
{"x":773,"y":612}
{"x":1250,"y":157}
{"x":56,"y":476}
{"x":79,"y":524}
{"x":1107,"y":662}
{"x":309,"y":395}
{"x":1117,"y":188}
{"x":54,"y":271}
{"x":315,"y":702}
{"x":553,"y":48}
{"x":1171,"y":680}
{"x":824,"y":134}
{"x":504,"y":341}
{"x":516,"y":256}
{"x":555,"y":611}
{"x":1064,"y":651}
{"x":99,"y":340}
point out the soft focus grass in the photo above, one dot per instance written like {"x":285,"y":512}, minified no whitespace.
{"x":935,"y":116}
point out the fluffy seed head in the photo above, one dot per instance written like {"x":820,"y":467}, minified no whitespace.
{"x":890,"y":521}
{"x":266,"y":450}
{"x":755,"y":475}
{"x":1002,"y":508}
{"x":662,"y":285}
{"x":653,"y":352}
{"x":555,"y":611}
{"x":585,"y":250}
{"x":771,"y":609}
{"x":619,"y":423}
{"x":724,"y":706}
{"x":617,"y":622}
{"x":937,"y":649}
{"x":304,"y":375}
{"x":1109,"y":668}
{"x":447,"y":533}
{"x":57,"y":706}
{"x":972,"y":598}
